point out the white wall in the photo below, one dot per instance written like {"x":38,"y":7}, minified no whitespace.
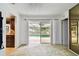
{"x":56,"y":32}
{"x":56,"y":28}
{"x":21,"y":36}
{"x":22,"y":25}
{"x":8,"y":10}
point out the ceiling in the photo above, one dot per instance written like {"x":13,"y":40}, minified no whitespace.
{"x":54,"y":9}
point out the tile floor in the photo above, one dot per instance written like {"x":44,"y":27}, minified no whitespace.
{"x":2,"y":53}
{"x":40,"y":50}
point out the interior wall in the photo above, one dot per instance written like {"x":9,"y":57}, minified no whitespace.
{"x":24,"y":28}
{"x":8,"y":10}
{"x":22,"y":25}
{"x":23,"y":31}
{"x":55,"y":32}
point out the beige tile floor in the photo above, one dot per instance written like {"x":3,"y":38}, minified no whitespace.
{"x":8,"y":51}
{"x":40,"y":50}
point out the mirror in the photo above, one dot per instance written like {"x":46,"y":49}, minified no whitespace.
{"x":74,"y":28}
{"x":74,"y":31}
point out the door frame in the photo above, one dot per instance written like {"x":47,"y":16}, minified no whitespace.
{"x":62,"y":33}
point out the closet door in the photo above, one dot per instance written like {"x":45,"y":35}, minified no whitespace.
{"x":74,"y":44}
{"x":74,"y":28}
{"x":74,"y":32}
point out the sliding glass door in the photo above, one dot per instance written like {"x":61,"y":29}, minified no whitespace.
{"x":39,"y":32}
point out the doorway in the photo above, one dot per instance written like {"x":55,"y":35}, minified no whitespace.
{"x":39,"y":33}
{"x":64,"y":35}
{"x":1,"y":39}
{"x":10,"y":31}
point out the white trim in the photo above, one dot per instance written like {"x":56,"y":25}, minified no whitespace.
{"x":51,"y":30}
{"x":68,"y":32}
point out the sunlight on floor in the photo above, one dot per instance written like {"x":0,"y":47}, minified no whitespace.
{"x":8,"y":51}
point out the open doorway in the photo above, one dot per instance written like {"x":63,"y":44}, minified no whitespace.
{"x":1,"y":31}
{"x":10,"y":31}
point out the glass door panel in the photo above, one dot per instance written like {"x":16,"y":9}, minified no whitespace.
{"x":39,"y":33}
{"x":34,"y":33}
{"x":45,"y":32}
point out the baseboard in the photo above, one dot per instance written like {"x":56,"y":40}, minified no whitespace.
{"x":22,"y":45}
